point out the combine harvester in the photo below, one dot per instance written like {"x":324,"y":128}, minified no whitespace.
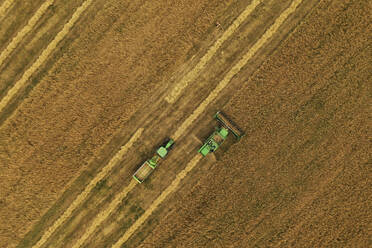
{"x":149,"y":165}
{"x":220,"y":134}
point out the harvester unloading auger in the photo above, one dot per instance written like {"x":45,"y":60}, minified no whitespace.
{"x":220,"y":134}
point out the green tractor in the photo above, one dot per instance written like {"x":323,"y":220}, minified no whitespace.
{"x":220,"y":134}
{"x":149,"y":165}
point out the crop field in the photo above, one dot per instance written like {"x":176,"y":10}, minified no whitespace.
{"x":90,"y":89}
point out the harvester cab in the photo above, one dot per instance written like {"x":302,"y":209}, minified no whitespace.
{"x":220,"y":134}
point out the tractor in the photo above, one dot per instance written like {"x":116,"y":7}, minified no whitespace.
{"x":149,"y":165}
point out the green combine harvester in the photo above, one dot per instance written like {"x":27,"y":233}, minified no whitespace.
{"x":149,"y":165}
{"x":220,"y":134}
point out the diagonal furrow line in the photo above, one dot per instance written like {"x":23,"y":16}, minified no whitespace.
{"x":26,"y":29}
{"x":102,"y":216}
{"x":44,"y":55}
{"x":83,"y":196}
{"x":4,"y":7}
{"x":189,"y":77}
{"x":237,"y":67}
{"x":212,"y":96}
{"x":180,"y":86}
{"x":171,"y":188}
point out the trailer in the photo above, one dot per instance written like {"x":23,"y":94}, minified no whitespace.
{"x":149,"y":165}
{"x":216,"y":139}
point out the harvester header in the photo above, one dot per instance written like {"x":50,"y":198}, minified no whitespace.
{"x":229,"y":124}
{"x":220,"y":134}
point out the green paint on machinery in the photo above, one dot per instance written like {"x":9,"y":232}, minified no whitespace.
{"x":220,"y":134}
{"x":213,"y":142}
{"x":149,"y":165}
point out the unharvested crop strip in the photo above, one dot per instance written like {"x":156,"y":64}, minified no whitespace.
{"x":4,"y":7}
{"x":44,"y":55}
{"x":237,"y":67}
{"x":180,"y":86}
{"x":26,"y":29}
{"x":105,"y":213}
{"x":170,"y":189}
{"x":83,"y":196}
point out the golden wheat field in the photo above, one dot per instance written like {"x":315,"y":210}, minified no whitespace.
{"x":90,"y":89}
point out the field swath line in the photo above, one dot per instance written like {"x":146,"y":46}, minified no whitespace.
{"x":237,"y":67}
{"x":83,"y":195}
{"x":26,"y":29}
{"x":4,"y":7}
{"x":170,"y":189}
{"x":44,"y":55}
{"x":190,"y":76}
{"x":102,"y":216}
